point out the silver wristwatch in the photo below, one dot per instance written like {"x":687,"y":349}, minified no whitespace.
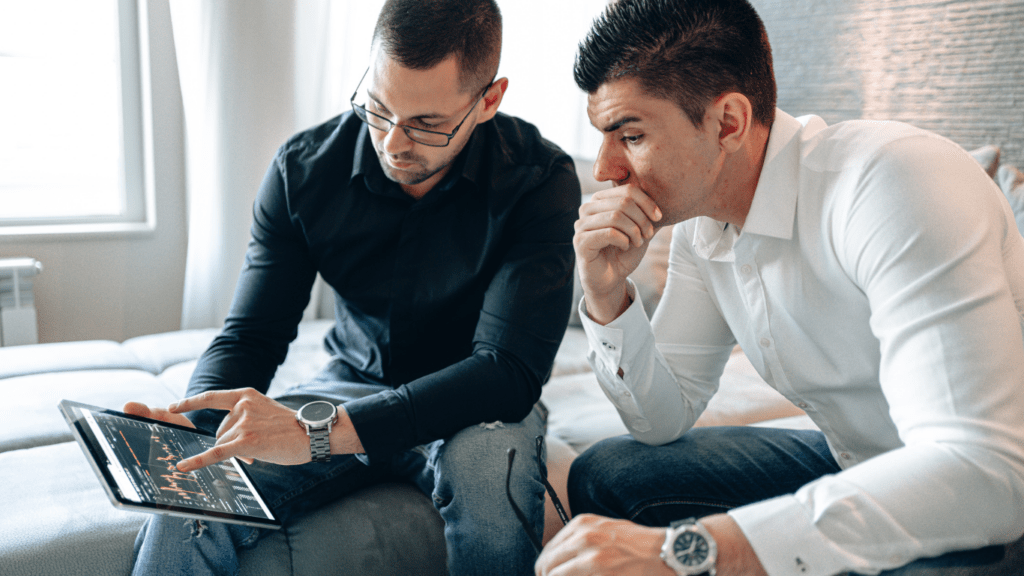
{"x":318,"y":417}
{"x":689,"y":549}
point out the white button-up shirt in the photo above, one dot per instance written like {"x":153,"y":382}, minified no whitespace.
{"x":878,"y":283}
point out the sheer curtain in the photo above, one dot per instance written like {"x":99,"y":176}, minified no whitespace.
{"x":253,"y":73}
{"x":236,"y":82}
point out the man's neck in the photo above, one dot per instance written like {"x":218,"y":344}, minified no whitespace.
{"x":742,"y":172}
{"x":418,"y":191}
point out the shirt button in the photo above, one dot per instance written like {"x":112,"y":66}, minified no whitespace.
{"x":746,"y":269}
{"x":626,"y":393}
{"x":845,"y":455}
{"x":765,"y":342}
{"x":802,"y":405}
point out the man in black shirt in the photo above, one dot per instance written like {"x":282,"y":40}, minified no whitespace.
{"x":445,"y":230}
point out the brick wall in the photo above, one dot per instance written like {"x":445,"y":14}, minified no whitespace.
{"x":953,"y":67}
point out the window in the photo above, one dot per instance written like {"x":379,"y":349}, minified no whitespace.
{"x":71,"y":133}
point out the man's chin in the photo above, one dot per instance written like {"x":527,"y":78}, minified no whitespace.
{"x":407,"y":177}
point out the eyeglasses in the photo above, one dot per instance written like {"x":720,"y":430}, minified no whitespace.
{"x":418,"y":135}
{"x":547,"y":485}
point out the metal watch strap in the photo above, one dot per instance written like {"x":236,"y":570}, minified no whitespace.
{"x":320,"y":445}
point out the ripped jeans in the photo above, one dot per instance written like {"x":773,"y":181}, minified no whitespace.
{"x":464,"y":476}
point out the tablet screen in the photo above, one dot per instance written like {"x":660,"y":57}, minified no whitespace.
{"x":135,"y":459}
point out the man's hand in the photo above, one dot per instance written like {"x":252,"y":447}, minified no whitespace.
{"x":612,"y":235}
{"x":256,"y":427}
{"x":140,"y":409}
{"x":595,"y":546}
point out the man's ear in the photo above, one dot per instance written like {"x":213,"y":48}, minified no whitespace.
{"x":735,"y":120}
{"x":492,"y":99}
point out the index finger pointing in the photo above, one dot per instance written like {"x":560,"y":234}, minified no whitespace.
{"x":217,"y":453}
{"x":217,"y":399}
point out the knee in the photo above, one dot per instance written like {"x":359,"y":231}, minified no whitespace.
{"x":480,"y":451}
{"x":596,"y":474}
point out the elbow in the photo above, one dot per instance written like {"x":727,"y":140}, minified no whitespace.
{"x":642,"y":431}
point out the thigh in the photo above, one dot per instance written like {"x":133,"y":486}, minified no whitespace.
{"x":706,"y":471}
{"x":295,"y":490}
{"x":477,"y":458}
{"x":467,"y":476}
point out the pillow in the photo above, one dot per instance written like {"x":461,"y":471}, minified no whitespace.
{"x":988,"y":157}
{"x":1011,"y":182}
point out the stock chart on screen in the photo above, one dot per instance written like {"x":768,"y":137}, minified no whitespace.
{"x":142,"y":459}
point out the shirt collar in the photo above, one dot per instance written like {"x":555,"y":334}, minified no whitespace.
{"x":773,"y":209}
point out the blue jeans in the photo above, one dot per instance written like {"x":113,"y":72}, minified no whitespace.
{"x":464,"y":475}
{"x":712,"y":470}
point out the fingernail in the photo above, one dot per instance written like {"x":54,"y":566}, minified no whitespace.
{"x":173,"y":406}
{"x":657,"y":213}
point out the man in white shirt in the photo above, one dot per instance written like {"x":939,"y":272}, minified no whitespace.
{"x":872,"y":273}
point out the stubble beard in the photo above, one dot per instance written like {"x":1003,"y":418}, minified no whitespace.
{"x":410,"y":177}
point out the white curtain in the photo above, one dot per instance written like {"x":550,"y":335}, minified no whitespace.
{"x":235,"y":63}
{"x":254,"y":72}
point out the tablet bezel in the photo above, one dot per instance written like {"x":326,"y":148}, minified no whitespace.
{"x":99,"y":462}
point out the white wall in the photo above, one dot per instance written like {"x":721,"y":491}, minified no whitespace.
{"x":956,"y":67}
{"x":117,"y":287}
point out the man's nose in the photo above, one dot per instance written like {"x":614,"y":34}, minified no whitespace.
{"x":610,"y":167}
{"x":397,"y":141}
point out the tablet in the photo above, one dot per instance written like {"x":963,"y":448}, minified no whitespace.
{"x":134,"y":459}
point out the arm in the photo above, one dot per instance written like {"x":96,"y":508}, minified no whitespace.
{"x":522,"y":320}
{"x":272,"y":291}
{"x":931,"y":249}
{"x":525,"y":311}
{"x":659,"y":377}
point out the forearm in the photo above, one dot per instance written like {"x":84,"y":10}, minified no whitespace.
{"x":488,"y":386}
{"x":656,"y":404}
{"x":604,"y":308}
{"x":344,"y":438}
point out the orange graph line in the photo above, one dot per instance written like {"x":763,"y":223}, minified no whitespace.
{"x":130,"y":448}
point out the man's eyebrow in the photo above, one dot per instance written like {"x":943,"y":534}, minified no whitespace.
{"x":621,"y":123}
{"x":431,"y":116}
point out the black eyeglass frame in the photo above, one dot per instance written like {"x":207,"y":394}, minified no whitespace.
{"x":361,"y":111}
{"x":547,"y":485}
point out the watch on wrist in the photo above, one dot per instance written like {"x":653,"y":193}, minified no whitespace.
{"x":689,"y":549}
{"x":317,"y":418}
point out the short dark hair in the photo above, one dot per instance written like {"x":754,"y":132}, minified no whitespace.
{"x":687,"y":51}
{"x":419,"y":34}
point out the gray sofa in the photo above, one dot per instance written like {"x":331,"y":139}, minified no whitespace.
{"x":57,"y":520}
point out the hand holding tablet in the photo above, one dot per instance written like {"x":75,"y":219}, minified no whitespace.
{"x":135,"y":459}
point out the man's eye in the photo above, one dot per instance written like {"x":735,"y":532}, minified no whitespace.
{"x":632,"y":139}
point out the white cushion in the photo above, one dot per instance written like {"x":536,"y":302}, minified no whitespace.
{"x":29,"y":412}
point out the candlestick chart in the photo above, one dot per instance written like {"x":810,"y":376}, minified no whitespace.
{"x":149,"y":453}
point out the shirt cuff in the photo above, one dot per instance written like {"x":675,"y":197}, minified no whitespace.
{"x":607,"y":342}
{"x":785,"y":539}
{"x":382,"y":423}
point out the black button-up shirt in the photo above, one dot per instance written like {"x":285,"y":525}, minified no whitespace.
{"x":456,"y":301}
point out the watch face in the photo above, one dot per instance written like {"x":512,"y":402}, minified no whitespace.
{"x":316,"y":412}
{"x":690,"y":548}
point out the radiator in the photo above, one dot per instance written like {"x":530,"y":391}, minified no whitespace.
{"x":18,"y":324}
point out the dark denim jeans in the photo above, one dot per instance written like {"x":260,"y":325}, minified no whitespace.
{"x":464,"y":475}
{"x":712,"y":470}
